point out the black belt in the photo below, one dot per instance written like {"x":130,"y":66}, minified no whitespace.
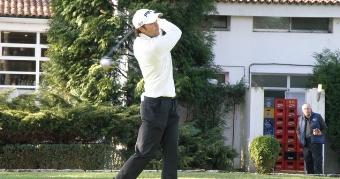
{"x":161,"y":97}
{"x":165,"y":97}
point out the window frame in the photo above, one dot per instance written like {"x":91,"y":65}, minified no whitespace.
{"x":330,"y":27}
{"x":37,"y":58}
{"x":288,"y":81}
{"x":227,"y":19}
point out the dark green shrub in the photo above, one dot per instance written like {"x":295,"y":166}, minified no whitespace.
{"x":61,"y":156}
{"x":204,"y":149}
{"x":80,"y":122}
{"x":264,"y":152}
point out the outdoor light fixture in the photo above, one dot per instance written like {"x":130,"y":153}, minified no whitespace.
{"x":318,"y":92}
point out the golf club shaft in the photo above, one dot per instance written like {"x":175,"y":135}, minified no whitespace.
{"x":118,"y":44}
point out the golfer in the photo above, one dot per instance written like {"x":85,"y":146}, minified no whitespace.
{"x":155,"y":38}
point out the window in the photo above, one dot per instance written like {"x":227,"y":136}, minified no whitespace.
{"x":18,"y":37}
{"x":21,"y":56}
{"x":216,"y":22}
{"x":223,"y":77}
{"x":17,"y":79}
{"x":43,"y":52}
{"x":18,"y":51}
{"x":298,"y":81}
{"x":292,"y":24}
{"x":279,"y":81}
{"x":221,"y":23}
{"x":268,"y":81}
{"x":41,"y":63}
{"x":310,"y":24}
{"x":271,"y":23}
{"x":43,"y":38}
{"x":17,"y":65}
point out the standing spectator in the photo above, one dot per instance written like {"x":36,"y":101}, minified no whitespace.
{"x":311,"y":130}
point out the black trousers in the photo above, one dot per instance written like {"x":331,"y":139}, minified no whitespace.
{"x":159,"y":128}
{"x":312,"y":153}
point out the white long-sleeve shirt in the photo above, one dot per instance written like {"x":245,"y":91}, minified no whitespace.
{"x":154,"y":58}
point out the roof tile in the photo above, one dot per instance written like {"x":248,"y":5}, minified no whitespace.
{"x":42,"y":8}
{"x":26,"y":8}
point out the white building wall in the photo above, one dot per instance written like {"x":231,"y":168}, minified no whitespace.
{"x":23,"y":24}
{"x":241,"y":52}
{"x":255,"y":106}
{"x":244,"y":124}
{"x":242,"y":47}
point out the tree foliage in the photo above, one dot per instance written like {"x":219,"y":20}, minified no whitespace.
{"x":80,"y":33}
{"x":326,"y":72}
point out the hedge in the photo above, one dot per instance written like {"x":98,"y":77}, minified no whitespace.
{"x":60,"y":156}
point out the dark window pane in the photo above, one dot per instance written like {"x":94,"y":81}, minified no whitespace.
{"x":271,"y":23}
{"x":19,"y":37}
{"x":43,"y":38}
{"x":268,"y":81}
{"x":220,"y":22}
{"x":41,"y":63}
{"x":221,"y":78}
{"x":17,"y":65}
{"x":298,"y":81}
{"x":43,"y":52}
{"x":310,"y":24}
{"x":17,"y":79}
{"x":18,"y":51}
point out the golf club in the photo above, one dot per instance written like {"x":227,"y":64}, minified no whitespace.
{"x":106,"y":62}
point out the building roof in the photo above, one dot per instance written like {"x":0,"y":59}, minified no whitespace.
{"x":42,"y":8}
{"x":325,"y":2}
{"x":25,"y":8}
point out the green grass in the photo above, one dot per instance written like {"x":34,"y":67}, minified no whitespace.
{"x":147,"y":175}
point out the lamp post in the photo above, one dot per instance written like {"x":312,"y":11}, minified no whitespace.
{"x":318,"y":92}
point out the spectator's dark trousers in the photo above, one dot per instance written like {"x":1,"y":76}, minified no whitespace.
{"x":312,"y":154}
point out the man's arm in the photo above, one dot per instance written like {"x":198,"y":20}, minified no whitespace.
{"x":162,"y":45}
{"x":298,"y":129}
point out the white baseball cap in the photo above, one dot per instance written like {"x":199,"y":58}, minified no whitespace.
{"x":144,"y":16}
